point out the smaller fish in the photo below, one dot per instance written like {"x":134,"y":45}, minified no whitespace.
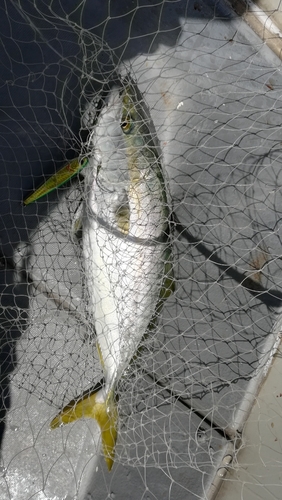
{"x":58,"y":179}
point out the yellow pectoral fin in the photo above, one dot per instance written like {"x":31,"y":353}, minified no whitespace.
{"x":104,"y":412}
{"x":57,"y":180}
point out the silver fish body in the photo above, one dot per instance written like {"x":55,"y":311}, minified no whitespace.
{"x":125,"y":233}
{"x":126,"y":237}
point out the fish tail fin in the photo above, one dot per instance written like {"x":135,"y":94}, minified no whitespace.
{"x":103,"y":410}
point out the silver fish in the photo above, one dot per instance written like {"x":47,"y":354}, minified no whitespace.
{"x":126,"y":246}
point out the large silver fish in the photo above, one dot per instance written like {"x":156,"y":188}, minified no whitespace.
{"x":126,"y":245}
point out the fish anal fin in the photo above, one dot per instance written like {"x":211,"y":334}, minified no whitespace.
{"x":103,"y":411}
{"x":167,"y":289}
{"x":168,"y":286}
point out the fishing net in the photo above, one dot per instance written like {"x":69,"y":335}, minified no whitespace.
{"x":212,"y":86}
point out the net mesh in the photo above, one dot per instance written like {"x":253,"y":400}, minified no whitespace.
{"x":213,"y":91}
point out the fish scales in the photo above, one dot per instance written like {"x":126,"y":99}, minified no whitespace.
{"x":126,"y":246}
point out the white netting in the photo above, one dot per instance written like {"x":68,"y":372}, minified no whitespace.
{"x":212,"y":88}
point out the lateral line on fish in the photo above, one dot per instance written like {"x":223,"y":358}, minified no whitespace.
{"x":139,"y":241}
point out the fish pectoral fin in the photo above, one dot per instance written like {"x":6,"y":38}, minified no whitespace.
{"x":105,"y":413}
{"x":58,"y":179}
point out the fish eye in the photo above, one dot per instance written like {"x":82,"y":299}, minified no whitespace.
{"x":126,"y":124}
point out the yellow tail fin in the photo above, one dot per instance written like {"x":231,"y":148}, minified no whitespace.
{"x":95,"y":406}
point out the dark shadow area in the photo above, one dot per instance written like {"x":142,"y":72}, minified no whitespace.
{"x":271,"y":298}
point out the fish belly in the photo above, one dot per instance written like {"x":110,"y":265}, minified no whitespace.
{"x":124,"y":280}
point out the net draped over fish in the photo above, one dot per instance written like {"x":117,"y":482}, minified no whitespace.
{"x":150,"y":271}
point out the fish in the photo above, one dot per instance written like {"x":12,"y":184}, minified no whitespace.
{"x":58,"y":179}
{"x":126,"y":235}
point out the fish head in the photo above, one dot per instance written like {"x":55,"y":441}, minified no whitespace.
{"x":106,"y":175}
{"x":135,"y":122}
{"x":131,"y":113}
{"x":123,"y":135}
{"x":106,"y":143}
{"x":125,"y":176}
